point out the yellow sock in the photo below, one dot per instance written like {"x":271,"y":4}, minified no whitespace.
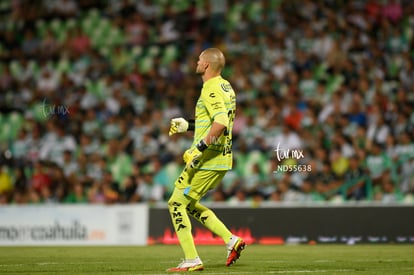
{"x":177,"y":205}
{"x":207,"y":217}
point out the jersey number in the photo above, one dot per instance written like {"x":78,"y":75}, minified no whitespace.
{"x":227,"y":147}
{"x":231,"y":114}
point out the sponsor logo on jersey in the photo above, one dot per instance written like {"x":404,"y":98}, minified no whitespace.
{"x":226,"y":87}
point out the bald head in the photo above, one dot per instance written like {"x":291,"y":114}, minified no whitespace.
{"x":214,"y":57}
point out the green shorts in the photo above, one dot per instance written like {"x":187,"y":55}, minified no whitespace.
{"x":196,"y":183}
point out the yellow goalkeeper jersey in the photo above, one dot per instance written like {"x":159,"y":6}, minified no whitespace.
{"x":217,"y":97}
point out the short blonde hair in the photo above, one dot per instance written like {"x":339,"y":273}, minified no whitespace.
{"x":215,"y":57}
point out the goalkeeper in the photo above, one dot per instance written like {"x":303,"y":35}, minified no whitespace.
{"x":207,"y":161}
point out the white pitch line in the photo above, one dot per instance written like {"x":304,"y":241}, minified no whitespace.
{"x":378,"y":260}
{"x":6,"y":265}
{"x":52,"y":263}
{"x":310,"y":271}
{"x":70,"y":263}
{"x":265,"y":272}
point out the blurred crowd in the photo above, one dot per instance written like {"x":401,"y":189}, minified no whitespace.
{"x":324,"y":98}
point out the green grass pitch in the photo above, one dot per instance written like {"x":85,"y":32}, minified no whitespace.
{"x":256,"y":259}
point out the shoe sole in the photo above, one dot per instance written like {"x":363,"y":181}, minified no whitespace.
{"x":238,"y":251}
{"x":186,"y":269}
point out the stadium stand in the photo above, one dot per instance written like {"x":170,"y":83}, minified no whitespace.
{"x":87,"y":89}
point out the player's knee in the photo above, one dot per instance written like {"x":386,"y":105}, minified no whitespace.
{"x":174,"y":204}
{"x":171,"y":203}
{"x":193,"y":211}
{"x":205,"y":215}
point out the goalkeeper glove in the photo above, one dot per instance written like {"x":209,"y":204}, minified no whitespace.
{"x":178,"y":125}
{"x":192,"y":156}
